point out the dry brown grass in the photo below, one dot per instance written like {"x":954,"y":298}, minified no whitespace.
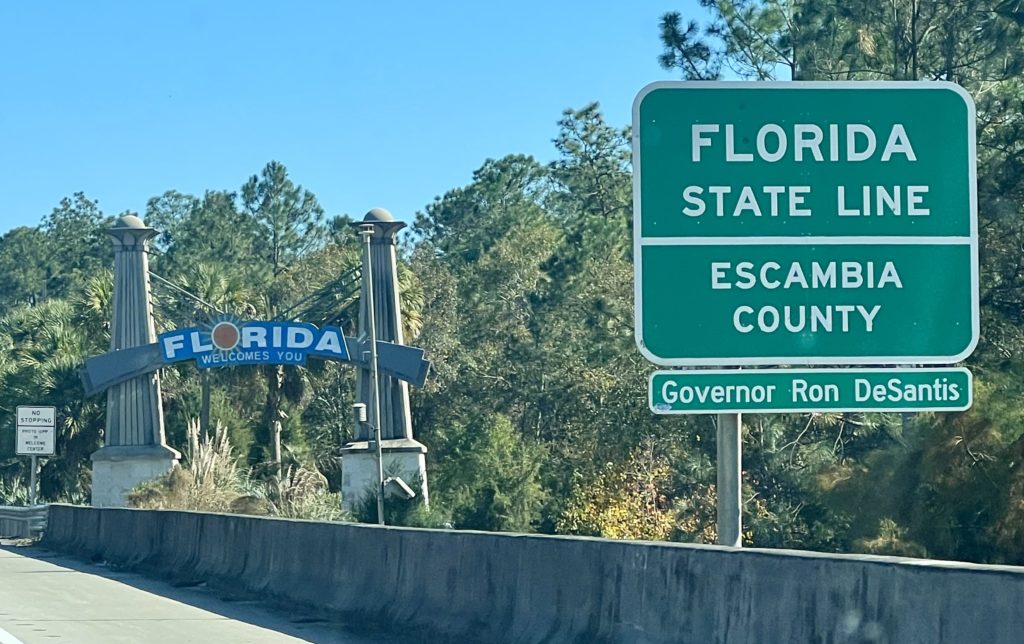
{"x":211,"y":480}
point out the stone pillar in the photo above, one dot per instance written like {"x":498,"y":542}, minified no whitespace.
{"x":135,"y":449}
{"x":403,"y":456}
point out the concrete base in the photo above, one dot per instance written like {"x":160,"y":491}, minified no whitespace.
{"x":116,"y":470}
{"x":402,"y":457}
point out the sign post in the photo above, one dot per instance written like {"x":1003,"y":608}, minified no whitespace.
{"x":803,"y":223}
{"x":730,"y":481}
{"x":36,"y":429}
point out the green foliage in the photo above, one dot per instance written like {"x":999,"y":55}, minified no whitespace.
{"x":861,"y":40}
{"x":24,"y":258}
{"x":891,"y":540}
{"x":286,"y":220}
{"x":413,"y":513}
{"x":55,"y":259}
{"x":487,"y":475}
{"x":211,"y":231}
{"x":952,"y":486}
{"x":41,"y":349}
{"x":76,"y":244}
{"x":622,"y":501}
{"x":14,"y":491}
{"x":303,"y":494}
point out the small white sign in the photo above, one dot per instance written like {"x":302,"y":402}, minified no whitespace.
{"x":37,"y":416}
{"x":36,"y":440}
{"x":36,"y":430}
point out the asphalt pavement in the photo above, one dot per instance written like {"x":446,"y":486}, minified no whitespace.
{"x":46,"y":598}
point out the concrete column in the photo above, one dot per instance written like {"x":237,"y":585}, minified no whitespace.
{"x":135,"y":449}
{"x":403,"y":456}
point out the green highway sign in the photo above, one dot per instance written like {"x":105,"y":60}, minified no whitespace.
{"x":805,"y":223}
{"x":759,"y":391}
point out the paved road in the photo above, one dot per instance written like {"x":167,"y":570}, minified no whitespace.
{"x":47,"y":599}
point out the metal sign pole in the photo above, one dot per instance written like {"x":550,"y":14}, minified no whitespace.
{"x":730,"y":507}
{"x":32,"y":481}
{"x":371,"y":319}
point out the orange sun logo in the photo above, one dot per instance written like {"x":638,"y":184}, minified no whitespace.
{"x":225,"y":335}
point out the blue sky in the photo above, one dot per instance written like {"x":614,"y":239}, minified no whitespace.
{"x":367,"y":104}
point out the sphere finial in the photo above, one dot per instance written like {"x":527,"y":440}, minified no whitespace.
{"x":378,"y":214}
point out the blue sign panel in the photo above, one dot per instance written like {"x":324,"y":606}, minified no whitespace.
{"x":229,"y":342}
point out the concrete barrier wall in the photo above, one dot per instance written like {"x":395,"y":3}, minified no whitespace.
{"x":483,"y":587}
{"x":22,"y":521}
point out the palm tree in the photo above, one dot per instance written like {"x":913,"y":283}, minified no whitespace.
{"x":42,"y":349}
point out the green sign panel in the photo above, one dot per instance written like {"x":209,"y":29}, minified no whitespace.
{"x":809,"y":390}
{"x":805,"y":223}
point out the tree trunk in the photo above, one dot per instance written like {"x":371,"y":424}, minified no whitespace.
{"x":204,"y":409}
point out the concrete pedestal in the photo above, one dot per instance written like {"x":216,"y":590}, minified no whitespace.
{"x":116,"y":470}
{"x":402,"y":457}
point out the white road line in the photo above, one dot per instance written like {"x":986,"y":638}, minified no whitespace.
{"x":7,"y":638}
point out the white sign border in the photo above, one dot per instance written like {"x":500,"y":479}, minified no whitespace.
{"x":804,"y":410}
{"x":17,"y":429}
{"x":741,"y":361}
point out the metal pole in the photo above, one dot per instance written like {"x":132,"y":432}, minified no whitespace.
{"x":371,"y":320}
{"x":730,"y":508}
{"x":204,"y":405}
{"x":32,"y":481}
